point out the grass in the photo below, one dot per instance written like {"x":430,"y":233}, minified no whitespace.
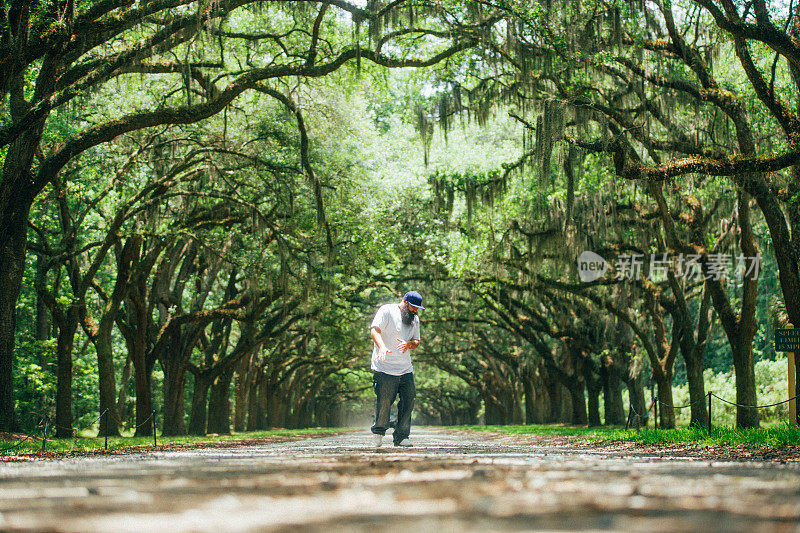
{"x":85,"y":442}
{"x":778,"y":436}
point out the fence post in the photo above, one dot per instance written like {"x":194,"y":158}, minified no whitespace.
{"x":105,"y":422}
{"x":153,"y":416}
{"x":653,"y":398}
{"x":709,"y":413}
{"x":656,"y":421}
{"x":44,"y":437}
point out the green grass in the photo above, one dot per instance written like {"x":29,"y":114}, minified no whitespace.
{"x":778,"y":436}
{"x":87,"y":443}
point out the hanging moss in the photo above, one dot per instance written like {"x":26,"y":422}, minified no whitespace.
{"x":444,"y":110}
{"x":470,"y":197}
{"x":550,"y":126}
{"x":375,"y":30}
{"x":424,"y":126}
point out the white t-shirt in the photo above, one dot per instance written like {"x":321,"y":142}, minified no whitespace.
{"x":388,"y":320}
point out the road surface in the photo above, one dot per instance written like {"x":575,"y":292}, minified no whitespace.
{"x":446,"y":482}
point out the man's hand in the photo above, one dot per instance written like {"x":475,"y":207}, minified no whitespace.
{"x":382,"y":353}
{"x":406,"y":345}
{"x":375,"y":333}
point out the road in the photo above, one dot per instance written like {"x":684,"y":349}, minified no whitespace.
{"x":446,"y":482}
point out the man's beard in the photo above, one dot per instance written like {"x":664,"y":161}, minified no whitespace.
{"x":406,"y":316}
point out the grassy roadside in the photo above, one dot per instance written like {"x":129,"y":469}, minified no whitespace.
{"x":86,"y":443}
{"x":779,"y":436}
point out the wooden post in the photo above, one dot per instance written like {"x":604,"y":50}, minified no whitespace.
{"x":655,"y":404}
{"x":792,"y":388}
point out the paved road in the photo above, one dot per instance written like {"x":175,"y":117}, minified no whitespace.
{"x":445,"y":483}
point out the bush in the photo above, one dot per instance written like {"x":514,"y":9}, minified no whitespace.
{"x":771,"y":387}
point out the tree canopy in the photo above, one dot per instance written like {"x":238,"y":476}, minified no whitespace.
{"x":202,"y":204}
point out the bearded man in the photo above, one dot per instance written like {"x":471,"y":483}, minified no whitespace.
{"x":395,"y":326}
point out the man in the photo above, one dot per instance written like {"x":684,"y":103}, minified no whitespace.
{"x":394,"y":332}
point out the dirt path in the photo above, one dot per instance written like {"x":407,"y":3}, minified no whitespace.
{"x":445,"y":483}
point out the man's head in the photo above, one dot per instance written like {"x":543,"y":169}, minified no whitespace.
{"x":411,"y":304}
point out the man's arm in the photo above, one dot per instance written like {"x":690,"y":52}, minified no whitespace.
{"x":407,"y":345}
{"x":375,"y":333}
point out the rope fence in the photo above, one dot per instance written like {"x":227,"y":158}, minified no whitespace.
{"x":705,"y":398}
{"x":45,"y":424}
{"x":18,"y":444}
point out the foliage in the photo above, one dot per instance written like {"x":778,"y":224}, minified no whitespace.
{"x":217,"y":196}
{"x":132,"y":444}
{"x":779,"y":436}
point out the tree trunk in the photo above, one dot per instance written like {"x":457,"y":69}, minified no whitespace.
{"x":174,"y":382}
{"x":66,"y":339}
{"x":530,"y":400}
{"x":783,"y":243}
{"x":517,"y":415}
{"x":666,"y":413}
{"x":17,"y":193}
{"x":142,"y":370}
{"x":122,"y":396}
{"x":197,"y":416}
{"x":219,"y":404}
{"x":13,"y":241}
{"x":252,"y":404}
{"x":495,"y":414}
{"x":293,"y":415}
{"x":554,"y":393}
{"x":593,"y":388}
{"x":241,"y":393}
{"x":108,"y":385}
{"x":697,"y":391}
{"x":278,"y":411}
{"x":612,"y":394}
{"x":593,"y":394}
{"x":542,"y":401}
{"x":304,"y":412}
{"x":101,"y":336}
{"x":636,"y":400}
{"x":746,"y":412}
{"x":489,"y":411}
{"x":144,"y":394}
{"x":474,"y":407}
{"x":565,"y":416}
{"x":578,"y":397}
{"x":693,"y":348}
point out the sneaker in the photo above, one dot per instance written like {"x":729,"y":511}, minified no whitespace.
{"x":405,"y":443}
{"x":377,"y":439}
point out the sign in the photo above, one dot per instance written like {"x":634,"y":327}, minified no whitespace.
{"x":787,"y":340}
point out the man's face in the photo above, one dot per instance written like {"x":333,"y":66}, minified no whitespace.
{"x":407,"y":313}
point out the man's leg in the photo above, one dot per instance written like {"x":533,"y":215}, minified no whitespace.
{"x":385,"y":387}
{"x":407,"y":391}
